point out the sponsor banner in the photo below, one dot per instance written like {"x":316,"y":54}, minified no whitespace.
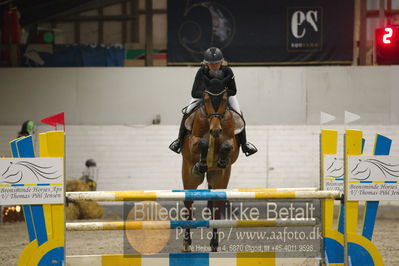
{"x":31,"y":181}
{"x":373,"y":178}
{"x":279,"y":32}
{"x":333,"y":173}
{"x":300,"y":242}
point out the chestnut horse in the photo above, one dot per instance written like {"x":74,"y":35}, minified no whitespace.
{"x":210,"y":150}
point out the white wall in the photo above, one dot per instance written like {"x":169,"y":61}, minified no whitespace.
{"x":267,"y":95}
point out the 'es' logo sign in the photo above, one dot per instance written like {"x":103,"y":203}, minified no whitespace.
{"x":304,"y":29}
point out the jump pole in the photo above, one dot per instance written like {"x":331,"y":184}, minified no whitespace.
{"x":195,"y":195}
{"x":156,"y":225}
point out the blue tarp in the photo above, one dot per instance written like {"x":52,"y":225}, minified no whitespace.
{"x":75,"y":56}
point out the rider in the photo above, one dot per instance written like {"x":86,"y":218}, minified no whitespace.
{"x":213,"y":66}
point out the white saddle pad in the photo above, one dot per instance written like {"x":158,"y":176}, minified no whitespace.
{"x":239,"y":123}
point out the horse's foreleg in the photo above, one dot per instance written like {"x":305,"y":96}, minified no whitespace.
{"x":216,"y":208}
{"x":187,"y":234}
{"x":215,"y":237}
{"x":225,"y":149}
{"x":201,"y":167}
{"x":189,"y":182}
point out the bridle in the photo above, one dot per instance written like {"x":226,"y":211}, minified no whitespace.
{"x":214,"y":115}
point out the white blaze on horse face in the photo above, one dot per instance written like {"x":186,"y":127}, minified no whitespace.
{"x":208,"y":104}
{"x":215,"y":127}
{"x":223,"y":104}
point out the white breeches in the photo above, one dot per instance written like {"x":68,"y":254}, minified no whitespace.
{"x":193,"y":103}
{"x":233,"y":102}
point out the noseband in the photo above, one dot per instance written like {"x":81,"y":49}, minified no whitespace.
{"x":216,"y":115}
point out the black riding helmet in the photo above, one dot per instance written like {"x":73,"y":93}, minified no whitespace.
{"x":213,"y":55}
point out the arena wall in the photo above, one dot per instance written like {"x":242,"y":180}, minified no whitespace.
{"x":132,"y":96}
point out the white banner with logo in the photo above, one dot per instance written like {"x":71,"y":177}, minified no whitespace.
{"x":31,"y":181}
{"x":333,"y":172}
{"x":373,"y":178}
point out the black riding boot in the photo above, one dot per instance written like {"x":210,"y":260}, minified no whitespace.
{"x":247,"y":148}
{"x":177,"y":145}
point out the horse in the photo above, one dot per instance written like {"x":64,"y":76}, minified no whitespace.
{"x":209,"y":150}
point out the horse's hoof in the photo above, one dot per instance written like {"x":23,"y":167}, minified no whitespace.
{"x":222,"y":163}
{"x":214,"y":247}
{"x":201,"y":168}
{"x":195,"y":172}
{"x":214,"y":242}
{"x":186,"y":247}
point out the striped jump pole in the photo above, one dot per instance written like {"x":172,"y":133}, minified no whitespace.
{"x":233,"y":190}
{"x":155,"y":225}
{"x":199,"y":195}
{"x":191,"y":258}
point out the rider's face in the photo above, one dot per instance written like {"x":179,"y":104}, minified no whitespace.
{"x":214,"y":67}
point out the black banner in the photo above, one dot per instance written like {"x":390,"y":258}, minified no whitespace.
{"x":256,"y":32}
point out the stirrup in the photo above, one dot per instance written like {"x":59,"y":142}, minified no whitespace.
{"x":176,"y":146}
{"x":248,"y":149}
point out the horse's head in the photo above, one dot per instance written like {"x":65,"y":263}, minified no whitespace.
{"x":215,"y":103}
{"x":215,"y":106}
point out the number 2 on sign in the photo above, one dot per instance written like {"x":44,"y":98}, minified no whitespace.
{"x":387,"y":35}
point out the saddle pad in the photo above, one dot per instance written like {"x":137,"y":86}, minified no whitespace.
{"x":239,"y":123}
{"x":189,"y":121}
